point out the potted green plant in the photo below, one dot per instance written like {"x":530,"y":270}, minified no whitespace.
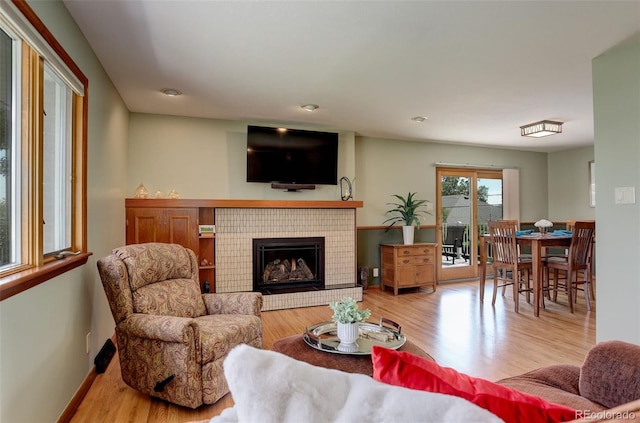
{"x":346,"y":315}
{"x":408,"y":212}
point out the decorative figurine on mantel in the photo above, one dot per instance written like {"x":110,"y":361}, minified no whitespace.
{"x":141,"y":192}
{"x":346,"y":188}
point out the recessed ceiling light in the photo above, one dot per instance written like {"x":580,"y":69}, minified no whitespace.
{"x":309,"y":107}
{"x":171,"y":92}
{"x":419,"y":119}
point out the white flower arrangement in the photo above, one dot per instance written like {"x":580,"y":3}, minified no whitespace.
{"x":543,"y":223}
{"x":346,"y":311}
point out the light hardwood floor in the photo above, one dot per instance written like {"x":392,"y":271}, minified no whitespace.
{"x":451,"y":325}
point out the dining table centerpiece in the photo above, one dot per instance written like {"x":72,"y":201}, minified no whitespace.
{"x":543,"y":225}
{"x":347,"y":316}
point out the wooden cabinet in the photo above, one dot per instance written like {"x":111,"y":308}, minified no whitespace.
{"x":408,"y":266}
{"x":175,"y":225}
{"x":172,"y":225}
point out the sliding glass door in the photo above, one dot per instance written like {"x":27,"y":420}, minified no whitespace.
{"x":467,"y":200}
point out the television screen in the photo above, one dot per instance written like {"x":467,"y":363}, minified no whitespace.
{"x":291,"y":156}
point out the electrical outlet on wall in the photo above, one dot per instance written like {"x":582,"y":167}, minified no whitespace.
{"x":376,"y":273}
{"x":88,"y":343}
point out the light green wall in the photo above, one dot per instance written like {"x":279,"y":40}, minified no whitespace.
{"x":569,"y":185}
{"x":616,"y":88}
{"x":386,"y":167}
{"x":43,"y":329}
{"x":206,"y":158}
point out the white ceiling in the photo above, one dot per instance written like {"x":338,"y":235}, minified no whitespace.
{"x":477,"y":69}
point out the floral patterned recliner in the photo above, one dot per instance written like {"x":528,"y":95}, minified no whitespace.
{"x":172,"y":339}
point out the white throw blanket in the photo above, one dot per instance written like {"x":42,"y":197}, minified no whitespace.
{"x":270,"y":387}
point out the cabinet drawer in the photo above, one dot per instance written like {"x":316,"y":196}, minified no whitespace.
{"x":413,"y":260}
{"x":416,"y":250}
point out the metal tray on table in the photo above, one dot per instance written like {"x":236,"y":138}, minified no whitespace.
{"x":323,"y":336}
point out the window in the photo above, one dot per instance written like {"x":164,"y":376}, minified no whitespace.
{"x":42,"y":153}
{"x":56,"y":163}
{"x":9,"y":197}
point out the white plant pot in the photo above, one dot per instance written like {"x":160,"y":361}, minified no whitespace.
{"x":347,"y":333}
{"x":407,"y":235}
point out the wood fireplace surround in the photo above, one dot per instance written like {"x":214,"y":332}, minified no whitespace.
{"x":226,"y":260}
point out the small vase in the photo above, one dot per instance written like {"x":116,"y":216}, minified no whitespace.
{"x":407,"y":235}
{"x":347,"y":333}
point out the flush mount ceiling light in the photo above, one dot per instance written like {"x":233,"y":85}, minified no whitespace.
{"x":310,"y":107}
{"x":171,"y":92}
{"x":419,"y":119}
{"x":540,"y":129}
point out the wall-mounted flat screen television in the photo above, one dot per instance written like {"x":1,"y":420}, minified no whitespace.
{"x":291,"y":156}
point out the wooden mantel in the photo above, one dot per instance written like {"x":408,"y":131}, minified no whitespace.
{"x":245,"y":204}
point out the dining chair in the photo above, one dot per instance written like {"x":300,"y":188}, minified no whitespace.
{"x":592,"y":281}
{"x":508,"y":265}
{"x":577,"y":260}
{"x":570,"y":224}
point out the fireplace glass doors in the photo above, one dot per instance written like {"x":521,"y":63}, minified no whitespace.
{"x":288,"y":264}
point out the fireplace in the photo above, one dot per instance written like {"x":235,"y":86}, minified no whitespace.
{"x":283,"y":265}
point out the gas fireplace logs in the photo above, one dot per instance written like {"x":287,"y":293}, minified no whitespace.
{"x":286,"y":270}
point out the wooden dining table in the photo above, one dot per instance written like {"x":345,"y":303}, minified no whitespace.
{"x":537,"y":242}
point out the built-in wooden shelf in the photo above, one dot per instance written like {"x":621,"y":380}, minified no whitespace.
{"x":245,"y":204}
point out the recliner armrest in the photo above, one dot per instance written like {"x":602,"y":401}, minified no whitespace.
{"x":161,"y":328}
{"x":234,"y":303}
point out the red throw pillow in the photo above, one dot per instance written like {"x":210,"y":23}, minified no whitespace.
{"x":410,"y":371}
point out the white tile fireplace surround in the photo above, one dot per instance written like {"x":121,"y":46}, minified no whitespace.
{"x":237,"y":227}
